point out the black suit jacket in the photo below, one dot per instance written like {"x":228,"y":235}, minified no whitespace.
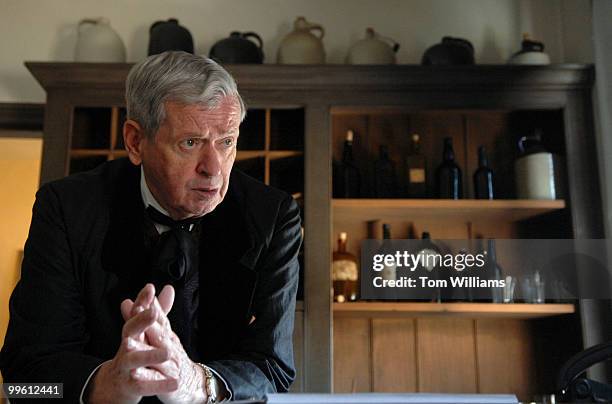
{"x":85,"y":254}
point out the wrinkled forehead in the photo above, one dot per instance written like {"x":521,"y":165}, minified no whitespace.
{"x":226,"y":113}
{"x":223,"y":117}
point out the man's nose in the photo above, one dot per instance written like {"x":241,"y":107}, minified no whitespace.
{"x":210,"y":162}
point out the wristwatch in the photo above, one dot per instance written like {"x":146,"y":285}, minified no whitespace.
{"x":210,"y":383}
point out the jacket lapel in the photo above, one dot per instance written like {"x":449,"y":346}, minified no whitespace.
{"x":229,"y":251}
{"x":123,"y":251}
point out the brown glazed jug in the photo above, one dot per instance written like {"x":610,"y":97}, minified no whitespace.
{"x":238,"y":49}
{"x":451,"y":51}
{"x":168,"y":36}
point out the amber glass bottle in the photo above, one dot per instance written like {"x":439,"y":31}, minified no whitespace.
{"x":344,"y":272}
{"x":416,"y":170}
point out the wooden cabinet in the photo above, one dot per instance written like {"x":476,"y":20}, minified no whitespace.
{"x":294,"y":130}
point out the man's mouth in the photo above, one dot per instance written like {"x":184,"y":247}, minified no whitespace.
{"x":207,"y":191}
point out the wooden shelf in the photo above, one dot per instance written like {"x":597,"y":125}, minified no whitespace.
{"x":469,"y":210}
{"x":89,"y":152}
{"x":250,"y":154}
{"x":467,"y":310}
{"x":76,"y":153}
{"x":241,"y":155}
{"x":272,"y":155}
{"x":281,"y":154}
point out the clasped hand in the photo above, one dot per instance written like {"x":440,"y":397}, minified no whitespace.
{"x":151,"y":359}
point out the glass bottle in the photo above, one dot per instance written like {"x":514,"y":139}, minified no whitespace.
{"x":483,"y":176}
{"x":448,"y":175}
{"x":344,"y":272}
{"x":416,"y":170}
{"x":347,"y":180}
{"x":462,"y":291}
{"x":411,"y":235}
{"x":385,"y":180}
{"x":389,"y":272}
{"x":430,"y":268}
{"x":493,"y":271}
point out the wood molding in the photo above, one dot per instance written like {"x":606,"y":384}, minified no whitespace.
{"x":392,"y":78}
{"x":21,"y":118}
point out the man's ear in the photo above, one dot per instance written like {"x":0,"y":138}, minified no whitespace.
{"x":133,"y":137}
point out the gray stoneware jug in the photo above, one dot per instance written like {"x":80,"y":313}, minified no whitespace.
{"x":98,"y":42}
{"x":301,"y":46}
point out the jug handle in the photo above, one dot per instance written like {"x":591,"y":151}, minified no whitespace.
{"x":521,"y":144}
{"x":317,"y":27}
{"x":86,"y":21}
{"x":394,"y":43}
{"x":254,"y":35}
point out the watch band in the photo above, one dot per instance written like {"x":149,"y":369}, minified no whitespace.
{"x":210,"y":383}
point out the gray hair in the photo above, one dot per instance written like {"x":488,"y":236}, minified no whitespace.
{"x":179,"y":77}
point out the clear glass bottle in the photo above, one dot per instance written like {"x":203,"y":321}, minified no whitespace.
{"x":430,"y":268}
{"x":494,"y":271}
{"x":389,"y":272}
{"x":344,"y":272}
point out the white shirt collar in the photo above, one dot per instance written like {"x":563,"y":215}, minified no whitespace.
{"x":149,"y":199}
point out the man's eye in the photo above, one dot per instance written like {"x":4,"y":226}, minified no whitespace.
{"x":229,"y":142}
{"x":189,"y":143}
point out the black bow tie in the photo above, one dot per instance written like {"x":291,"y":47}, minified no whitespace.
{"x":160,"y":218}
{"x":176,"y":249}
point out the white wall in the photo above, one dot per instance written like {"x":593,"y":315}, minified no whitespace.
{"x":577,"y":30}
{"x":45,"y":30}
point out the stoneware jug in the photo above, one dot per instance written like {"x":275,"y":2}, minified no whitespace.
{"x":238,"y":49}
{"x":168,"y":36}
{"x":451,"y":51}
{"x":374,"y":49}
{"x":98,"y":42}
{"x":536,"y":171}
{"x":301,"y":46}
{"x":531,"y":53}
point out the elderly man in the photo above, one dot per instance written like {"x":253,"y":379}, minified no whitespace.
{"x":208,"y":254}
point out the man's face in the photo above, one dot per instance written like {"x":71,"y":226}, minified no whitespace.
{"x":187,"y":163}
